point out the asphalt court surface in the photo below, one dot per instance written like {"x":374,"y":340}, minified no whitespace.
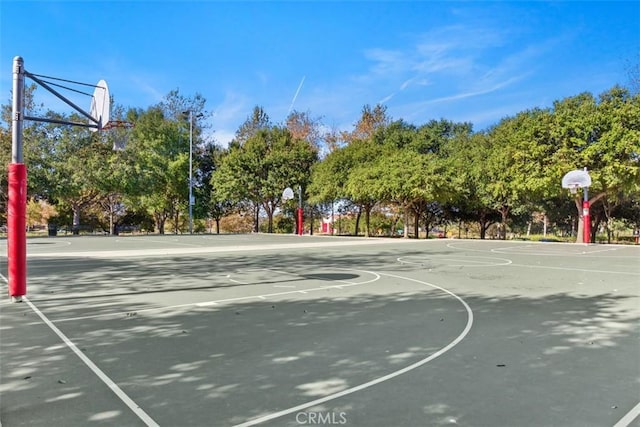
{"x":239,"y":330}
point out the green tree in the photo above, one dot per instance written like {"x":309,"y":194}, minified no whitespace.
{"x":258,"y":120}
{"x":516,"y":163}
{"x":69,"y":171}
{"x":213,"y":204}
{"x":262,"y":167}
{"x":465,"y":173}
{"x":602,"y":135}
{"x":359,"y":187}
{"x":158,"y":151}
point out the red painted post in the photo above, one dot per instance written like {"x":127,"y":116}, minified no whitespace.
{"x":586,"y":219}
{"x":300,"y":221}
{"x":17,"y":234}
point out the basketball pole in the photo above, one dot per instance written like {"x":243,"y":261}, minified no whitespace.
{"x":586,"y":217}
{"x":300,"y":212}
{"x":17,"y":192}
{"x":17,"y":173}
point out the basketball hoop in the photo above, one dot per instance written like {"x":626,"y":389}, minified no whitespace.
{"x":576,"y":179}
{"x":580,"y":179}
{"x":117,"y":124}
{"x":287,"y":194}
{"x":117,"y":131}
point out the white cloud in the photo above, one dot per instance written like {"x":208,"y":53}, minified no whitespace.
{"x":224,"y":136}
{"x":447,"y":67}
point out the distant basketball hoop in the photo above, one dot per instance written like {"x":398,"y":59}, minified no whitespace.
{"x":287,"y":194}
{"x":573,"y":181}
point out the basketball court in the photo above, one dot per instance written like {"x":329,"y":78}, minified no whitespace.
{"x":274,"y":330}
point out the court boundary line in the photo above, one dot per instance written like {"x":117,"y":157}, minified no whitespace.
{"x":383,"y":378}
{"x":629,"y":417}
{"x":130,"y":403}
{"x":198,"y":250}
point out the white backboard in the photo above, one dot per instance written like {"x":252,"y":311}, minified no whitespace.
{"x":287,"y":194}
{"x":100,"y":104}
{"x":576,"y":179}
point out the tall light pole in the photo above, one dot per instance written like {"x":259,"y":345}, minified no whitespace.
{"x":190,"y":172}
{"x":191,"y":198}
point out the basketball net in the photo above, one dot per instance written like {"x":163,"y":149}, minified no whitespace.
{"x":117,"y":131}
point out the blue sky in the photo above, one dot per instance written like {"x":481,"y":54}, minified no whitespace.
{"x":464,"y":61}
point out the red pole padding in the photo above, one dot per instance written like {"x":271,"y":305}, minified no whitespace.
{"x":300,"y":221}
{"x":586,"y":219}
{"x":16,"y":230}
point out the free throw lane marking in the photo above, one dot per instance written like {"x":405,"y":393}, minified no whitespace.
{"x":105,"y":379}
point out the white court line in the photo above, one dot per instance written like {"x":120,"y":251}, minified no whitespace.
{"x":601,"y":250}
{"x":555,"y":250}
{"x":585,"y":270}
{"x":452,"y":246}
{"x":92,"y":366}
{"x":221,"y":301}
{"x":463,"y":261}
{"x":479,"y":263}
{"x":172,"y":242}
{"x":49,"y":243}
{"x":552,"y":252}
{"x":384,"y":378}
{"x":560,"y":249}
{"x":304,"y":291}
{"x":197,"y":249}
{"x":629,"y":417}
{"x":509,"y":248}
